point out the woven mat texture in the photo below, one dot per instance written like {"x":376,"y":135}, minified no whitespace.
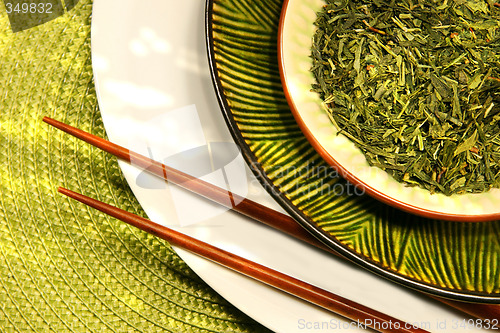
{"x":64,"y":267}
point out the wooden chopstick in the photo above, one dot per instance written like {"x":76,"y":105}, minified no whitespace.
{"x":246,"y":207}
{"x":359,"y":313}
{"x":214,"y":193}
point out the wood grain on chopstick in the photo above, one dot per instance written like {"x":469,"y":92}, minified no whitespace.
{"x":320,"y":297}
{"x":246,"y":207}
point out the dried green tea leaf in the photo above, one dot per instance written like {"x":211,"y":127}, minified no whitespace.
{"x":467,"y":144}
{"x":416,"y":87}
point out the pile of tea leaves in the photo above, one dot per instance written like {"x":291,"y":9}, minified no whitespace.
{"x":415,"y":84}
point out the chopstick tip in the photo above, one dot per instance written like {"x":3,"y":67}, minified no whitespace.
{"x":70,"y":194}
{"x":49,"y":120}
{"x":63,"y":190}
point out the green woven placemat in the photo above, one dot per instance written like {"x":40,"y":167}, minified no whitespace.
{"x":64,"y":267}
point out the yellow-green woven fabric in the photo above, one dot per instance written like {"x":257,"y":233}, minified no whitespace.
{"x":63,"y":267}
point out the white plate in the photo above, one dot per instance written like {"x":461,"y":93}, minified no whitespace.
{"x":296,"y":31}
{"x":152,"y":79}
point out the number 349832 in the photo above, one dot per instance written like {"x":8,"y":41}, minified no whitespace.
{"x":40,"y":8}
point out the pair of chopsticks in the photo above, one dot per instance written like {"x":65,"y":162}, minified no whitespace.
{"x":256,"y":211}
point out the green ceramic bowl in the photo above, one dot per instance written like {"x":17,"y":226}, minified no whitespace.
{"x":454,"y":260}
